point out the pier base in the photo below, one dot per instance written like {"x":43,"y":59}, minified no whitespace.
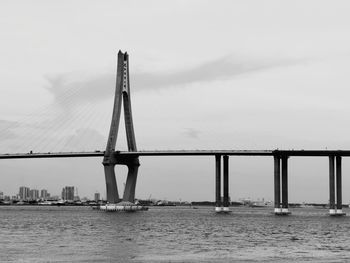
{"x":226,"y":209}
{"x":222,"y":210}
{"x":332,"y":212}
{"x":278,"y":210}
{"x":336,"y":212}
{"x":123,"y":206}
{"x":218,"y":209}
{"x":282,"y":211}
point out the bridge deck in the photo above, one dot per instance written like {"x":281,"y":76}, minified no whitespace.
{"x":50,"y":155}
{"x":239,"y":152}
{"x":180,"y":153}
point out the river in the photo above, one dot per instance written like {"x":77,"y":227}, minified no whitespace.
{"x":171,"y":234}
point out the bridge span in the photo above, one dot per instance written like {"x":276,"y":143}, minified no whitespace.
{"x":119,"y":154}
{"x":310,"y":153}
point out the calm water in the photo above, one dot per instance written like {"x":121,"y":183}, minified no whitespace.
{"x":80,"y":234}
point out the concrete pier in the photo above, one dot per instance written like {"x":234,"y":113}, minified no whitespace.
{"x":285,"y":184}
{"x":332,"y":209}
{"x":130,"y":186}
{"x":281,"y":209}
{"x":226,"y":202}
{"x":218,"y":207}
{"x":277,"y":180}
{"x":339,"y":206}
{"x":111,"y":184}
{"x":221,"y":206}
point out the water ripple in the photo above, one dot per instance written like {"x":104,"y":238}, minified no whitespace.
{"x":79,"y":234}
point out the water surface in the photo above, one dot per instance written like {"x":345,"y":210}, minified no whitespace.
{"x":175,"y":234}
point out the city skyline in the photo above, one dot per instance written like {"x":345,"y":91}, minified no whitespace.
{"x":28,"y":193}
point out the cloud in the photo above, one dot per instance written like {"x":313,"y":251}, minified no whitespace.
{"x":192,"y":133}
{"x":72,"y":88}
{"x":219,"y":69}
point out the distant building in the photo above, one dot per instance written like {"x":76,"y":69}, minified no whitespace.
{"x":24,"y":193}
{"x":44,"y":194}
{"x":63,"y":195}
{"x":97,"y":197}
{"x":34,"y":194}
{"x":7,"y":198}
{"x":1,"y":195}
{"x":68,"y":193}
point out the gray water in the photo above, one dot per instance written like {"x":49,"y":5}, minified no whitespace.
{"x":179,"y":234}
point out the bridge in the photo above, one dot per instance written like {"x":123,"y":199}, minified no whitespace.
{"x":130,"y":158}
{"x":124,"y":154}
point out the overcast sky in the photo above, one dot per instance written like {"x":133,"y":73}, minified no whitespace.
{"x":204,"y":75}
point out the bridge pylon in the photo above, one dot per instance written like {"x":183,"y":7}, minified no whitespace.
{"x":121,"y":97}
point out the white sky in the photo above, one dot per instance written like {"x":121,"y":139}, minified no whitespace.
{"x":204,"y":75}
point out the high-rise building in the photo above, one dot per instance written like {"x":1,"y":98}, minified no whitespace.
{"x":68,"y":193}
{"x":97,"y":197}
{"x":24,"y":193}
{"x":44,"y":194}
{"x":76,"y":196}
{"x":34,"y":194}
{"x":63,"y":195}
{"x":1,"y":195}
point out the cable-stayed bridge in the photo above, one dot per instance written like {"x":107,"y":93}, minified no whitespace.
{"x":130,"y":158}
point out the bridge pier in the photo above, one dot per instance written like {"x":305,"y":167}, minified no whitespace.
{"x":111,"y":184}
{"x":222,"y":205}
{"x":285,"y":184}
{"x":226,"y":186}
{"x":339,"y":211}
{"x":277,"y":184}
{"x":130,"y":185}
{"x":332,"y":209}
{"x":218,"y":207}
{"x":335,"y":208}
{"x":281,"y":209}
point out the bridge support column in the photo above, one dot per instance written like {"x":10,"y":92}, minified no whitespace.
{"x":130,"y":186}
{"x":339,"y":210}
{"x":285,"y":184}
{"x":277,"y":184}
{"x":218,"y":207}
{"x":278,"y":160}
{"x":226,"y":185}
{"x":111,"y":184}
{"x":332,"y":209}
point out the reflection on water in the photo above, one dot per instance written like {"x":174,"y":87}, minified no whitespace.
{"x":80,"y":234}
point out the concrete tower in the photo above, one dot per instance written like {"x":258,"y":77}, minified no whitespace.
{"x":122,"y":96}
